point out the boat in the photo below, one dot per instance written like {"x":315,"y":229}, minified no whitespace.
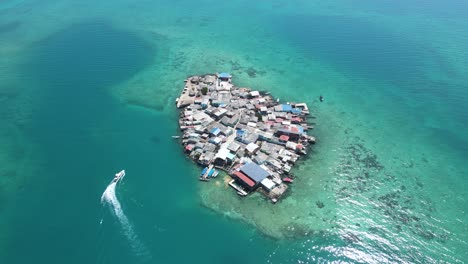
{"x":175,"y":136}
{"x":241,"y":193}
{"x":119,"y":176}
{"x":210,"y":173}
{"x":203,"y":171}
{"x":321,"y":98}
{"x":215,"y":174}
{"x":288,"y":180}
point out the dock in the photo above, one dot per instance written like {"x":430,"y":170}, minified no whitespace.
{"x":239,"y":190}
{"x":246,"y":133}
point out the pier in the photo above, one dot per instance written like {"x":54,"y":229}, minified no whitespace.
{"x":246,"y":133}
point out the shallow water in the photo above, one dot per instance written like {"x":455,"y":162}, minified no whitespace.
{"x":87,"y":89}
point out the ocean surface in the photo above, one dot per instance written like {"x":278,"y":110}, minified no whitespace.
{"x":87,"y":88}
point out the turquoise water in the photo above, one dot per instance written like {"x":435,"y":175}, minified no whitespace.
{"x":88,"y":88}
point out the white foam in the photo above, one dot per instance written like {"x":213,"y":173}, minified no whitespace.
{"x":109,"y":197}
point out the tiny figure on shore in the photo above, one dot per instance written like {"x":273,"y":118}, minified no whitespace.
{"x":321,"y":98}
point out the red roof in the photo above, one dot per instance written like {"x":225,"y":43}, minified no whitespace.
{"x":284,"y":138}
{"x":189,"y":147}
{"x":294,"y":129}
{"x":244,"y":178}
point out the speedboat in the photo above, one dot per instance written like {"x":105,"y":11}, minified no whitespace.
{"x":119,"y":176}
{"x":321,"y":98}
{"x":288,"y":180}
{"x":203,"y":171}
{"x":210,"y":173}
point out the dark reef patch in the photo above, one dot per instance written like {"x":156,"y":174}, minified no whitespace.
{"x":361,"y":171}
{"x":319,"y":204}
{"x":250,"y":71}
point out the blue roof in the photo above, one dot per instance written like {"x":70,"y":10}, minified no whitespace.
{"x":254,"y":171}
{"x":296,"y":111}
{"x":286,"y":108}
{"x":231,"y":156}
{"x":215,"y":131}
{"x":300,"y":128}
{"x":224,"y":75}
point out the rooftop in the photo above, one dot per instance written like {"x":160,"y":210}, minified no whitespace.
{"x":254,"y":171}
{"x":224,"y":75}
{"x":244,"y":178}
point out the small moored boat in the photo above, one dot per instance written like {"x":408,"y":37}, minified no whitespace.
{"x":210,"y":173}
{"x":288,"y":180}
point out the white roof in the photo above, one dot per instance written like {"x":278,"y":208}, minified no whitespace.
{"x":261,"y":100}
{"x":263,"y":109}
{"x":251,"y":147}
{"x":220,"y":111}
{"x":291,"y":145}
{"x":254,"y":93}
{"x":222,"y":153}
{"x":252,"y":124}
{"x":267,"y":183}
{"x":268,"y":135}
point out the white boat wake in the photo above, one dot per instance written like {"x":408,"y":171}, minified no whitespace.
{"x":109,"y":197}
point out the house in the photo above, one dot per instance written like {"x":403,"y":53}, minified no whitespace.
{"x":254,"y":94}
{"x":267,"y":184}
{"x":224,"y":77}
{"x":221,"y":157}
{"x":250,"y":175}
{"x":293,"y":131}
{"x":252,"y":148}
{"x":233,"y":147}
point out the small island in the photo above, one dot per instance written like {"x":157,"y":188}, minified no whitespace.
{"x":246,"y":133}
